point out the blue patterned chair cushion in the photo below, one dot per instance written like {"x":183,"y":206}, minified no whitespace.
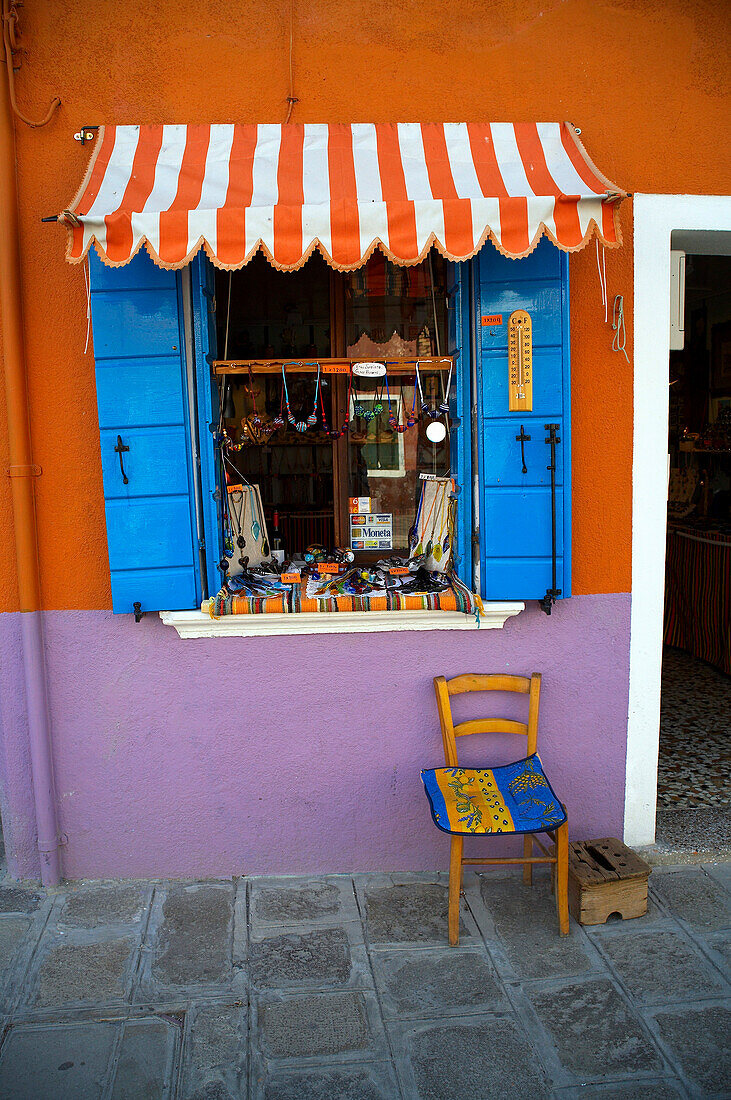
{"x":514,"y":798}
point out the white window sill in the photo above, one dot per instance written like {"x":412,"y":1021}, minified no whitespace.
{"x":199,"y":624}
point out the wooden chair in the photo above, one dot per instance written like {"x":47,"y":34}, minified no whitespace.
{"x":513,"y":799}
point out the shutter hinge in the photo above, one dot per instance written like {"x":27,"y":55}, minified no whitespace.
{"x":476,"y":536}
{"x":201,"y":544}
{"x":137,"y":607}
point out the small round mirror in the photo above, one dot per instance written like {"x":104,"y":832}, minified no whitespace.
{"x":435,"y":431}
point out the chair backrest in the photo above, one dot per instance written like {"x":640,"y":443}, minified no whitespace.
{"x":530,"y":686}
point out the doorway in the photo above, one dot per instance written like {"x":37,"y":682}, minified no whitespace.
{"x":706,"y":219}
{"x":695,"y":709}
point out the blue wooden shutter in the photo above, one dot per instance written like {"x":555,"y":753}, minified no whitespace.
{"x":204,"y":327}
{"x":458,"y":302}
{"x":142,"y":399}
{"x":515,"y":508}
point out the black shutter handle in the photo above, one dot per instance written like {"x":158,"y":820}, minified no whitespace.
{"x":118,"y":450}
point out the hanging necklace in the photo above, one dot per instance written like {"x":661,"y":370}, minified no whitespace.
{"x":437,"y":548}
{"x":335,"y":433}
{"x":278,"y":420}
{"x":393,"y":420}
{"x":420,"y":546}
{"x":426,"y":409}
{"x":256,"y":515}
{"x":414,"y":532}
{"x":369,"y":414}
{"x":301,"y":425}
{"x":430,"y":544}
{"x":237,"y":502}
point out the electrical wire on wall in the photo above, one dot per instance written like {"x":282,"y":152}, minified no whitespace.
{"x":291,"y":98}
{"x":11,"y":46}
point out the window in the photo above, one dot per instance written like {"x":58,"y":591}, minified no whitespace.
{"x":281,"y":332}
{"x":159,"y":334}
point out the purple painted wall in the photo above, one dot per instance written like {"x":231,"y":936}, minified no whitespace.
{"x":229,"y":756}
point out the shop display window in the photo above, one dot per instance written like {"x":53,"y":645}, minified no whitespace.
{"x":291,"y":342}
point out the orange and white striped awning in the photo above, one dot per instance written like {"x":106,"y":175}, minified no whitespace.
{"x":345,"y":189}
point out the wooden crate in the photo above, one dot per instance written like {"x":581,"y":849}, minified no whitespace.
{"x":606,"y":877}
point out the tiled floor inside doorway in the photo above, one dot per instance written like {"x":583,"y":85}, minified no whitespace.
{"x":695,"y":733}
{"x":693,"y":803}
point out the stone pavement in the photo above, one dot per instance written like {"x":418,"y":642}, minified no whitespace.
{"x":344,"y":988}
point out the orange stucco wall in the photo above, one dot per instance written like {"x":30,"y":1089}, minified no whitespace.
{"x":644,"y":81}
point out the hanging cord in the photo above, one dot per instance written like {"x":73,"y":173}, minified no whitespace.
{"x":228,"y":315}
{"x":602,"y":269}
{"x":11,"y":44}
{"x":434,"y":305}
{"x":291,"y":98}
{"x":88,"y":305}
{"x":444,"y":407}
{"x":619,"y":339}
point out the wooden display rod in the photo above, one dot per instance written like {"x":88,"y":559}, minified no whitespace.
{"x":401,"y":365}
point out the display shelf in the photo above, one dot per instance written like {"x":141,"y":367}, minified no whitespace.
{"x":305,"y":365}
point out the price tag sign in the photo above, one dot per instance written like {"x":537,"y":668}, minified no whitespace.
{"x":291,"y":578}
{"x":327,"y":567}
{"x":399,"y":571}
{"x":336,"y":368}
{"x":492,"y":319}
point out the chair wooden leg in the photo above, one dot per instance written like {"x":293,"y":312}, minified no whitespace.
{"x":527,"y":853}
{"x":562,"y":877}
{"x":455,"y":886}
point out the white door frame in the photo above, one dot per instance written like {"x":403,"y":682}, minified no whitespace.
{"x":655,"y":218}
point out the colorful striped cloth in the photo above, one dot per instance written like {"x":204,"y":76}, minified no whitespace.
{"x":455,"y":598}
{"x":698,"y":592}
{"x":514,"y":798}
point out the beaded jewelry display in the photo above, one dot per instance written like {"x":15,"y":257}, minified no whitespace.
{"x":426,"y":409}
{"x":336,"y":433}
{"x":360,"y":410}
{"x":237,"y":500}
{"x":393,"y":421}
{"x":301,"y":425}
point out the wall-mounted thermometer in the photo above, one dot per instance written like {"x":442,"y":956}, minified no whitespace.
{"x":520,"y":361}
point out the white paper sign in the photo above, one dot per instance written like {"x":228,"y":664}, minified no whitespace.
{"x":371,"y":531}
{"x":369,"y":370}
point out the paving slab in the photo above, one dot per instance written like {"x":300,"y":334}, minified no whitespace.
{"x":95,"y":906}
{"x":319,"y":1026}
{"x":410,"y":912}
{"x":19,"y":899}
{"x":474,"y":1056}
{"x":84,"y":973}
{"x":290,"y":901}
{"x":719,"y":946}
{"x":146,"y":1061}
{"x":192,"y":940}
{"x":57,"y":1062}
{"x":524,"y":918}
{"x":721,"y":870}
{"x":694,"y":897}
{"x":216,"y":1053}
{"x":13,"y":931}
{"x":595,"y":1033}
{"x":364,"y":1082}
{"x":425,"y":982}
{"x":315,"y":959}
{"x":661,"y":965}
{"x":632,"y":1090}
{"x":697,"y":1040}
